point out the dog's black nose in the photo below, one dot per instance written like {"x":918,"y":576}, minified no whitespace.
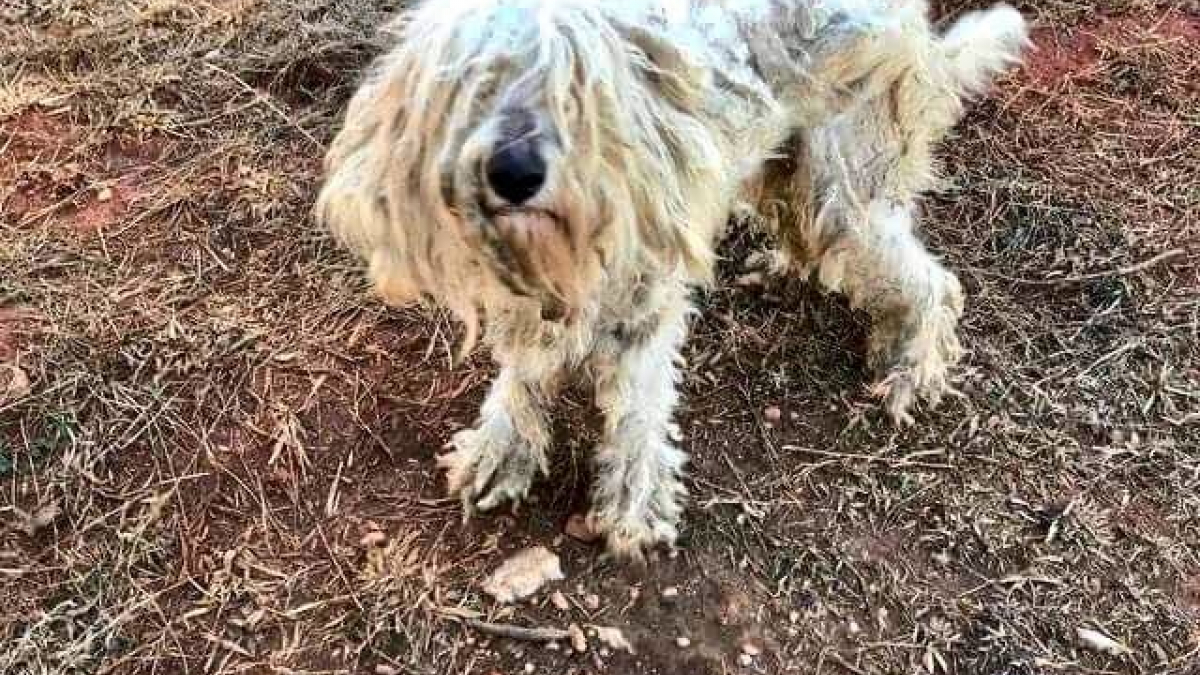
{"x":516,"y":171}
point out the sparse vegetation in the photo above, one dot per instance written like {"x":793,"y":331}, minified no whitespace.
{"x":219,"y":458}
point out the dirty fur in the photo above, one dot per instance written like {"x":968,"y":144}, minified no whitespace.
{"x":658,"y":120}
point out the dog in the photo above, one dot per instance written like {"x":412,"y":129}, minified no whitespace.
{"x":558,"y":173}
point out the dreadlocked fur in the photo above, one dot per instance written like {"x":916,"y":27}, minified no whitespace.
{"x":654,"y":120}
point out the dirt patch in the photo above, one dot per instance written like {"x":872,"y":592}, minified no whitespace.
{"x":1191,"y":596}
{"x":66,"y":176}
{"x":18,"y":329}
{"x":1063,"y":55}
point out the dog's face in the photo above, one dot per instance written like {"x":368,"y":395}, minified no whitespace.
{"x":532,"y":150}
{"x":521,"y":203}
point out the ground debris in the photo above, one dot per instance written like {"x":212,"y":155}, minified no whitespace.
{"x":14,"y":384}
{"x":43,"y":517}
{"x":560,"y":601}
{"x":523,"y":574}
{"x":1099,"y":642}
{"x":613,"y":637}
{"x":578,"y":639}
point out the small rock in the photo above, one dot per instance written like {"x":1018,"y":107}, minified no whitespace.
{"x":15,"y":385}
{"x":613,"y":637}
{"x":385,"y":669}
{"x":1099,"y":642}
{"x":683,"y":642}
{"x":529,"y":667}
{"x":773,"y":414}
{"x":670,"y":592}
{"x":104,"y":195}
{"x":794,"y":616}
{"x":372,"y":539}
{"x":591,"y":601}
{"x":750,"y":649}
{"x":552,"y":646}
{"x":578,"y":528}
{"x":523,"y":574}
{"x":745,"y":660}
{"x":750,"y":279}
{"x":559,"y":601}
{"x":578,"y":639}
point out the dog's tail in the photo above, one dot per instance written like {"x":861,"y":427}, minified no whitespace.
{"x":982,"y":45}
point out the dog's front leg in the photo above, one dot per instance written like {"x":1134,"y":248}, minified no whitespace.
{"x":638,"y":494}
{"x":498,"y":459}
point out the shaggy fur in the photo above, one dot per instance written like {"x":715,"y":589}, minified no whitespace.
{"x":658,"y":119}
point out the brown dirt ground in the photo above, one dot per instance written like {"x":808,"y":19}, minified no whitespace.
{"x":218,"y":412}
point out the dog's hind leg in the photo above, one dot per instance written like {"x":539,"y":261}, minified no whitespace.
{"x":849,"y":188}
{"x":845,"y":221}
{"x":638,"y":496}
{"x":914,"y":302}
{"x":498,"y":459}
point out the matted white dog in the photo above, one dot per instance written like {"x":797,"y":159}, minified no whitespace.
{"x":560,"y":172}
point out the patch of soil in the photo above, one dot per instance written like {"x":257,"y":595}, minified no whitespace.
{"x":1190,"y":595}
{"x":57,"y":174}
{"x":98,"y":211}
{"x":1079,"y":53}
{"x":17,"y":328}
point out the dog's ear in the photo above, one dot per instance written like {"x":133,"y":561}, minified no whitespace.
{"x":669,"y":68}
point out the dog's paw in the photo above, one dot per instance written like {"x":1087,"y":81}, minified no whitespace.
{"x":632,"y":537}
{"x":484,"y":471}
{"x":637,"y":511}
{"x":914,"y":359}
{"x":921,"y":372}
{"x":899,"y":394}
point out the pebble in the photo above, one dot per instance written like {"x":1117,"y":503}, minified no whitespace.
{"x":578,"y":639}
{"x":750,"y":279}
{"x":372,"y":539}
{"x":750,"y":649}
{"x":745,"y":660}
{"x":559,"y":601}
{"x":529,"y":667}
{"x":591,"y":601}
{"x":773,"y":414}
{"x":670,"y":592}
{"x":682,"y":642}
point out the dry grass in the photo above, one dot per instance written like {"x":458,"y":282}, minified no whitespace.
{"x":215,"y":413}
